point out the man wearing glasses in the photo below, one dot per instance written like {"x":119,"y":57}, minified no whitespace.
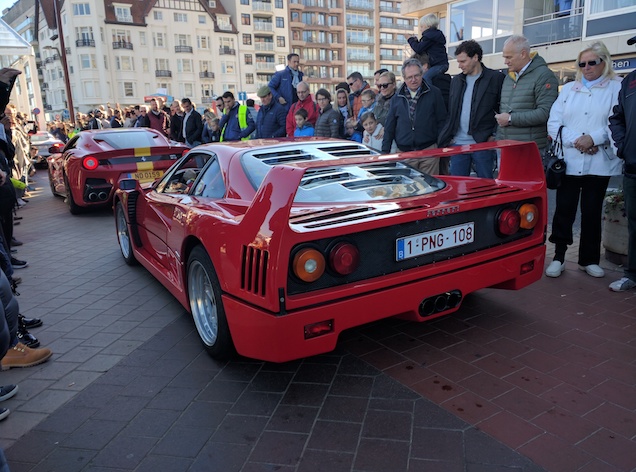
{"x":416,"y":116}
{"x":527,"y":94}
{"x":357,"y":85}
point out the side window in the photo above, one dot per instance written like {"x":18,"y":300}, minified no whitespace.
{"x":181,"y":178}
{"x":211,"y":184}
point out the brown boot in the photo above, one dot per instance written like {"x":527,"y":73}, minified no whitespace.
{"x":23,"y":356}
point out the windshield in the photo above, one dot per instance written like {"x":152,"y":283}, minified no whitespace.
{"x":40,"y":138}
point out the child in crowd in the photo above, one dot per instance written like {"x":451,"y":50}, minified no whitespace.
{"x":367,"y":97}
{"x":372,"y":131}
{"x":303,"y":127}
{"x":350,"y":131}
{"x":432,"y":43}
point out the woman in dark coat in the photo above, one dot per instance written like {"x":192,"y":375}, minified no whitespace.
{"x":329,"y":123}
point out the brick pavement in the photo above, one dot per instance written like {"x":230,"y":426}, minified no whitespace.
{"x":541,"y":376}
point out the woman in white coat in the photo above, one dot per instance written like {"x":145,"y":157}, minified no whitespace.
{"x":583,"y":109}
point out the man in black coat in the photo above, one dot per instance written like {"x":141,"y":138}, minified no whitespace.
{"x":192,"y":124}
{"x":474,"y":100}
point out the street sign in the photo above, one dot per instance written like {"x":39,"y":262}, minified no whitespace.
{"x":242,"y":95}
{"x":66,"y":114}
{"x":36,"y":111}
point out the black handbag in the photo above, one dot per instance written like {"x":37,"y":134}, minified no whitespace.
{"x":555,"y":164}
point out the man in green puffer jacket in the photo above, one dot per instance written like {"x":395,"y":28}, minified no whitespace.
{"x":527,"y":94}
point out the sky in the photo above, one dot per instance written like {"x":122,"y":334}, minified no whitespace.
{"x":6,"y":4}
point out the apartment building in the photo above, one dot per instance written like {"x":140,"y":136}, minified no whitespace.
{"x":557,"y":33}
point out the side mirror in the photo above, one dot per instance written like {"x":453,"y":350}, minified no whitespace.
{"x":127,"y":184}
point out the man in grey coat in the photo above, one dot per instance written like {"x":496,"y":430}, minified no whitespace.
{"x":527,"y":94}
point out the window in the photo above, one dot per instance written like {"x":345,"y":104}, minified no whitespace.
{"x":604,"y":6}
{"x":223,"y":22}
{"x":245,"y":2}
{"x":245,"y":19}
{"x":211,"y":3}
{"x":247,"y":39}
{"x":203,"y":42}
{"x":228,"y":67}
{"x":188,"y":90}
{"x":165,"y":86}
{"x":280,"y":41}
{"x":182,"y":39}
{"x":144,"y":64}
{"x":471,"y":20}
{"x":249,"y":79}
{"x":142,"y":38}
{"x":122,"y":13}
{"x":157,"y":15}
{"x":159,"y":40}
{"x":81,"y":9}
{"x":162,"y":64}
{"x":280,"y":22}
{"x":207,"y":90}
{"x":202,"y":19}
{"x":121,"y":36}
{"x":124,"y":63}
{"x":248,"y":59}
{"x":180,"y":17}
{"x":184,"y":65}
{"x":87,"y":61}
{"x":128,"y":89}
{"x":205,"y":66}
{"x":278,"y":4}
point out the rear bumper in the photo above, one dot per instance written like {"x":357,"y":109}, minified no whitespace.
{"x":261,"y":335}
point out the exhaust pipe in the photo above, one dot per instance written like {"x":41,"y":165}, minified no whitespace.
{"x":102,"y":196}
{"x":439,"y":303}
{"x":92,"y":197}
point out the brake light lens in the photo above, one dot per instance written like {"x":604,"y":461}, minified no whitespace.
{"x":529,"y":214}
{"x":309,"y":264}
{"x":344,"y":258}
{"x":318,"y":329}
{"x":508,"y":221}
{"x":90,"y":163}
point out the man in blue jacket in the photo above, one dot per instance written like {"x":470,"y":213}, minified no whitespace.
{"x":270,"y":121}
{"x":474,"y":98}
{"x":283,"y":83}
{"x":416,"y":116}
{"x":623,"y":128}
{"x":236,"y":123}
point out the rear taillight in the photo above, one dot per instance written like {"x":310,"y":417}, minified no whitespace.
{"x":309,"y":264}
{"x":344,"y":258}
{"x":508,"y":221}
{"x":529,"y":214}
{"x":90,"y":163}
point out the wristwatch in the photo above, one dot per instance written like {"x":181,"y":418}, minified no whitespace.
{"x":509,"y":119}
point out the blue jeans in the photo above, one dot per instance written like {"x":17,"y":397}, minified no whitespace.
{"x":484,"y":163}
{"x":629,"y":189}
{"x":432,"y":72}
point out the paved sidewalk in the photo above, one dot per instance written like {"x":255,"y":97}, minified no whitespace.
{"x":539,"y":379}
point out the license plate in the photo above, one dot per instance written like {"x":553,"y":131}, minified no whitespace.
{"x":146,"y":175}
{"x":433,"y":241}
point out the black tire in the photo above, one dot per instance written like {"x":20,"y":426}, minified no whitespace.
{"x":206,"y":305}
{"x":123,"y":235}
{"x":73,"y":207}
{"x":51,"y":184}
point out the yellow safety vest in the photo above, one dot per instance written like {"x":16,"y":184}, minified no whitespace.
{"x":242,"y":119}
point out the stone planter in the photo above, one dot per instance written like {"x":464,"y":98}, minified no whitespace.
{"x":615,"y":233}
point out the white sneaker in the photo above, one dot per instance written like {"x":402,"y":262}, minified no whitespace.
{"x":594,"y":270}
{"x":622,"y":285}
{"x":555,"y":269}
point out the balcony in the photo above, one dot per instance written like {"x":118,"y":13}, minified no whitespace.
{"x":48,"y":107}
{"x":550,"y":29}
{"x":360,"y":40}
{"x":163,"y":73}
{"x":391,"y":57}
{"x":359,"y":22}
{"x":261,"y":6}
{"x":397,"y":26}
{"x":85,"y":43}
{"x":44,"y":86}
{"x":359,"y":5}
{"x":265,"y":66}
{"x":225,"y":51}
{"x":356,"y":56}
{"x":390,"y":9}
{"x":125,"y":18}
{"x":264,"y":46}
{"x":206,"y":100}
{"x":183,"y":49}
{"x":263,"y":26}
{"x":122,"y":45}
{"x":206,"y":75}
{"x":394,"y":42}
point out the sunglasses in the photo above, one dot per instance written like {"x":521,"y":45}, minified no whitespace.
{"x":381,"y":86}
{"x":351,"y":83}
{"x":590,"y":63}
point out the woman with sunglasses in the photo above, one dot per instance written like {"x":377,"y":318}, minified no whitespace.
{"x":386,"y":90}
{"x":582,"y":110}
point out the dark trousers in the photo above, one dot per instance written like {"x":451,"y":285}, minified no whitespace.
{"x":629,"y":189}
{"x":591,"y":190}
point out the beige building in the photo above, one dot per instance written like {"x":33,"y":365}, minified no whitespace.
{"x":557,"y":29}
